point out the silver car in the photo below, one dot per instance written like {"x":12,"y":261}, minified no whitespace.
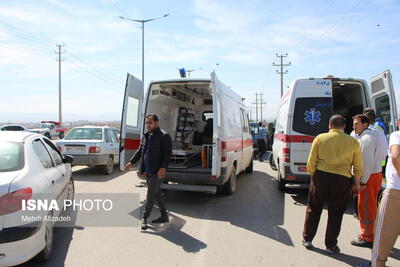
{"x":92,"y":146}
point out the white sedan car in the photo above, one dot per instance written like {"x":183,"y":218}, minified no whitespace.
{"x":31,"y":166}
{"x":14,"y":127}
{"x":92,"y":146}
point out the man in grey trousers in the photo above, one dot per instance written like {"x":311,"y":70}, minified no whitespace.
{"x":154,"y":154}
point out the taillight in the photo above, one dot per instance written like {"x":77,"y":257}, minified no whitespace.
{"x":223,"y":151}
{"x":286,"y":154}
{"x":94,"y":149}
{"x":12,"y":202}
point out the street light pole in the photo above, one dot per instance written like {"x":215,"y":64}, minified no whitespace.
{"x":143,"y":21}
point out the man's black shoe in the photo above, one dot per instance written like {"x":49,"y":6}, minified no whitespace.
{"x":362,"y":243}
{"x":308,"y":245}
{"x":144,"y":225}
{"x":333,"y":250}
{"x":162,"y":219}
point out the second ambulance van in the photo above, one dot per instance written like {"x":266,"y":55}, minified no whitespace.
{"x":305,"y":110}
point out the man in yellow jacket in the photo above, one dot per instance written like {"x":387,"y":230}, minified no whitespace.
{"x":332,"y":158}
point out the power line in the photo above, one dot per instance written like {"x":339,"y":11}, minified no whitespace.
{"x":94,"y":75}
{"x":314,"y":22}
{"x":22,"y":31}
{"x":85,"y":62}
{"x":13,"y":46}
{"x":357,"y":23}
{"x":41,"y":50}
{"x":117,"y":8}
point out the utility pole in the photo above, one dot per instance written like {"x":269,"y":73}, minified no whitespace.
{"x":281,"y":65}
{"x":59,"y":52}
{"x":256,"y":103}
{"x":259,"y":103}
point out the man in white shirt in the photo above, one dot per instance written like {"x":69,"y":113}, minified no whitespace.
{"x":383,"y":144}
{"x":371,"y":180}
{"x":388,"y":221}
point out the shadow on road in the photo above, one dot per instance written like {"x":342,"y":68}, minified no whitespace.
{"x":256,"y":206}
{"x":345,"y":258}
{"x":173,"y":233}
{"x":93,"y":174}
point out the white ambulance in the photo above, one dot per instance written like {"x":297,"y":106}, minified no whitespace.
{"x":305,"y":110}
{"x":208,"y":124}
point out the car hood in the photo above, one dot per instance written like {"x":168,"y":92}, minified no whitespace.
{"x":39,"y":129}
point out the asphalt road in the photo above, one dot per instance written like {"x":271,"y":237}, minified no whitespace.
{"x":257,"y":226}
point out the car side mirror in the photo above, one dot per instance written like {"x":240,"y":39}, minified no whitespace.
{"x":68,"y":159}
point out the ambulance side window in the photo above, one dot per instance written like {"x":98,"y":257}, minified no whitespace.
{"x":245,"y":126}
{"x":382,"y":105}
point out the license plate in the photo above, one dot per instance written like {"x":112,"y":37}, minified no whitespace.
{"x":302,"y":169}
{"x":75,"y":149}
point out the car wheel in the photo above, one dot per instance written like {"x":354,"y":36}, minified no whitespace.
{"x":230,"y":186}
{"x":71,"y":190}
{"x":109,"y":167}
{"x":281,"y":182}
{"x":61,"y":135}
{"x":45,"y":254}
{"x":249,"y":169}
{"x":47,"y":135}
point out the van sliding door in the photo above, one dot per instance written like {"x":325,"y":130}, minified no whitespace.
{"x":131,"y":120}
{"x":383,"y":99}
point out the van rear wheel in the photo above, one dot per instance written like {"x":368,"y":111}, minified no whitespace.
{"x":271,"y":162}
{"x":230,"y":186}
{"x":281,"y":182}
{"x":249,"y":169}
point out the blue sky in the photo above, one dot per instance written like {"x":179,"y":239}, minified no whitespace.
{"x":345,"y":38}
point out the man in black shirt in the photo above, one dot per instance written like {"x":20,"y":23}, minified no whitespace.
{"x":154,"y":154}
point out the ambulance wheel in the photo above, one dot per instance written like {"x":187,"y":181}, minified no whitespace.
{"x":230,"y":186}
{"x":249,"y":169}
{"x":271,"y":162}
{"x":281,"y":182}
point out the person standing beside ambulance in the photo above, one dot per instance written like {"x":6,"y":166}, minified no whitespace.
{"x":371,"y":181}
{"x":332,"y":158}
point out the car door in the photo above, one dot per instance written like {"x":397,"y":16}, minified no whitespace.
{"x":383,"y":99}
{"x":111,"y":143}
{"x":131,"y":120}
{"x":64,"y":171}
{"x":50,"y":171}
{"x":115,"y":145}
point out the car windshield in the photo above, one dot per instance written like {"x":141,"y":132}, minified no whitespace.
{"x":11,"y":156}
{"x":45,"y":125}
{"x":85,"y":134}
